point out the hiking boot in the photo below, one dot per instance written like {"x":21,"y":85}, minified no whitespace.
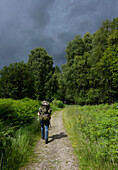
{"x":42,"y":138}
{"x":46,"y":141}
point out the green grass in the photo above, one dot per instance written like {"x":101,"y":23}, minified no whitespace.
{"x":17,"y":148}
{"x":19,"y":131}
{"x":93,"y":131}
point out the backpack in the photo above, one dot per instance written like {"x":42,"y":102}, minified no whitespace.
{"x":45,"y":115}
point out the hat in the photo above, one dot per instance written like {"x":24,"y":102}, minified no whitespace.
{"x":45,"y":103}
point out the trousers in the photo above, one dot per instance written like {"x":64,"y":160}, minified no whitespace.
{"x":44,"y":131}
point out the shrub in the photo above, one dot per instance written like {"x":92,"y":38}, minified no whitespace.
{"x":94,"y":133}
{"x":16,"y":149}
{"x":58,"y":103}
{"x":18,"y":131}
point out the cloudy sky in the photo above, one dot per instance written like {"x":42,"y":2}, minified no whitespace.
{"x":51,"y":24}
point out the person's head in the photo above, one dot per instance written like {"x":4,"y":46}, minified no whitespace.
{"x":45,"y":103}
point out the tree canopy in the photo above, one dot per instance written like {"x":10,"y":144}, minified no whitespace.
{"x":90,"y":75}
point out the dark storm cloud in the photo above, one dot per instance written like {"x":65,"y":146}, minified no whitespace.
{"x":39,"y":13}
{"x":22,"y":29}
{"x":25,"y":25}
{"x":60,"y":57}
{"x":65,"y":36}
{"x":88,"y":15}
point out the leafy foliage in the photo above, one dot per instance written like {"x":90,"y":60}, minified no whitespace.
{"x":58,"y":103}
{"x":41,"y":65}
{"x":17,"y":129}
{"x":95,"y":133}
{"x":16,"y":81}
{"x":90,"y":74}
{"x":17,"y":112}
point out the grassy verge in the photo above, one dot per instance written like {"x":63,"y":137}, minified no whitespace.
{"x":19,"y":131}
{"x":17,"y":148}
{"x":93,"y":131}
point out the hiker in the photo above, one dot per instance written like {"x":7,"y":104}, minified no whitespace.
{"x":45,"y":116}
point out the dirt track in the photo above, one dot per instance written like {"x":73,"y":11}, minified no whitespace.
{"x":58,"y":153}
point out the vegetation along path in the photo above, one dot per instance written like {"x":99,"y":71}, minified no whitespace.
{"x":58,"y":153}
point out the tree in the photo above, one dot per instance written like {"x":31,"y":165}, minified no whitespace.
{"x":41,"y":65}
{"x":113,"y":38}
{"x":75,"y":47}
{"x":108,"y":67}
{"x":16,"y":81}
{"x":114,"y":24}
{"x":87,"y":39}
{"x":82,"y":68}
{"x":55,"y":84}
{"x":90,"y":74}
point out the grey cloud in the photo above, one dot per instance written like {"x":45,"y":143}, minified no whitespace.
{"x":65,"y":36}
{"x":46,"y":42}
{"x":59,"y":58}
{"x":80,"y":7}
{"x":22,"y":28}
{"x":89,"y":14}
{"x":39,"y":12}
{"x":50,"y":24}
{"x":92,"y":8}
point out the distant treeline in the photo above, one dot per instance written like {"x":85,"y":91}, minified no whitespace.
{"x":90,"y":75}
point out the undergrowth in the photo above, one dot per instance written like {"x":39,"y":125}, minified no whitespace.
{"x":93,"y":131}
{"x":19,"y":131}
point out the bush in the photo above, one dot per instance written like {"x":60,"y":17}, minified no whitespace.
{"x":18,"y":131}
{"x":94,"y":134}
{"x":18,"y":112}
{"x":16,"y":149}
{"x":58,"y":103}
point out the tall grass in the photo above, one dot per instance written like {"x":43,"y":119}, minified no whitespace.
{"x":19,"y":130}
{"x":17,"y":148}
{"x":93,"y":131}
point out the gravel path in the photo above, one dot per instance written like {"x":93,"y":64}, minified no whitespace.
{"x":58,"y":153}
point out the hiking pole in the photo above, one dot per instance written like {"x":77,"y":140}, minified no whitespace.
{"x":49,"y":123}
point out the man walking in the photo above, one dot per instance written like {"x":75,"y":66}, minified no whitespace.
{"x":45,"y":116}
